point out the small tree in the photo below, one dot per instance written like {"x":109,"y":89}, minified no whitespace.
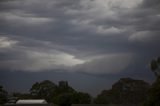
{"x":155,"y":66}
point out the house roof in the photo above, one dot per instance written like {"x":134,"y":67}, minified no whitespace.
{"x":32,"y":101}
{"x":29,"y":105}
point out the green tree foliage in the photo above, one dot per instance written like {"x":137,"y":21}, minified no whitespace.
{"x":44,"y":90}
{"x":104,"y":97}
{"x":81,"y":98}
{"x":63,"y":87}
{"x":3,"y":95}
{"x":125,"y":91}
{"x":61,"y":94}
{"x":64,"y":94}
{"x":155,"y":66}
{"x":154,"y":94}
{"x":153,"y":98}
{"x":22,"y":95}
{"x":64,"y":99}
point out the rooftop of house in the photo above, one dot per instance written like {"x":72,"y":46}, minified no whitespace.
{"x":32,"y":101}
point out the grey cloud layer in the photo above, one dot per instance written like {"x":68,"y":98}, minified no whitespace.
{"x":80,"y":35}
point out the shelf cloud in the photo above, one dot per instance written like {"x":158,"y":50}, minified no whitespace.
{"x":88,"y":36}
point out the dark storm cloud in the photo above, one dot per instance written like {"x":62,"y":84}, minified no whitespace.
{"x":85,"y":33}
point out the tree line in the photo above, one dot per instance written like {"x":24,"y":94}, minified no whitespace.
{"x":61,"y":94}
{"x":124,"y":91}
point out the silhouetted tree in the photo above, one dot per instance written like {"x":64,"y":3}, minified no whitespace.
{"x":44,"y":90}
{"x":61,"y":94}
{"x":3,"y":95}
{"x":104,"y":98}
{"x":22,"y":95}
{"x":155,"y":66}
{"x":64,"y":99}
{"x":63,"y":87}
{"x":125,"y":91}
{"x":153,"y":98}
{"x":154,"y":94}
{"x":81,"y":98}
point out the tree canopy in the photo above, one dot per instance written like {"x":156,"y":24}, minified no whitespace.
{"x":153,"y":98}
{"x":155,"y":66}
{"x":45,"y":89}
{"x":3,"y":95}
{"x":61,"y":94}
{"x":125,"y":91}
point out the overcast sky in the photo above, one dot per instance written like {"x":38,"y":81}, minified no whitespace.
{"x":90,"y":43}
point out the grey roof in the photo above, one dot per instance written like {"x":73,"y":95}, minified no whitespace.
{"x":29,"y":105}
{"x":32,"y":101}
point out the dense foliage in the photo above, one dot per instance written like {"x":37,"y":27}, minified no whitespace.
{"x":61,"y":94}
{"x":154,"y":94}
{"x":44,"y":90}
{"x":155,"y":66}
{"x":3,"y":95}
{"x":153,"y":98}
{"x":125,"y":91}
